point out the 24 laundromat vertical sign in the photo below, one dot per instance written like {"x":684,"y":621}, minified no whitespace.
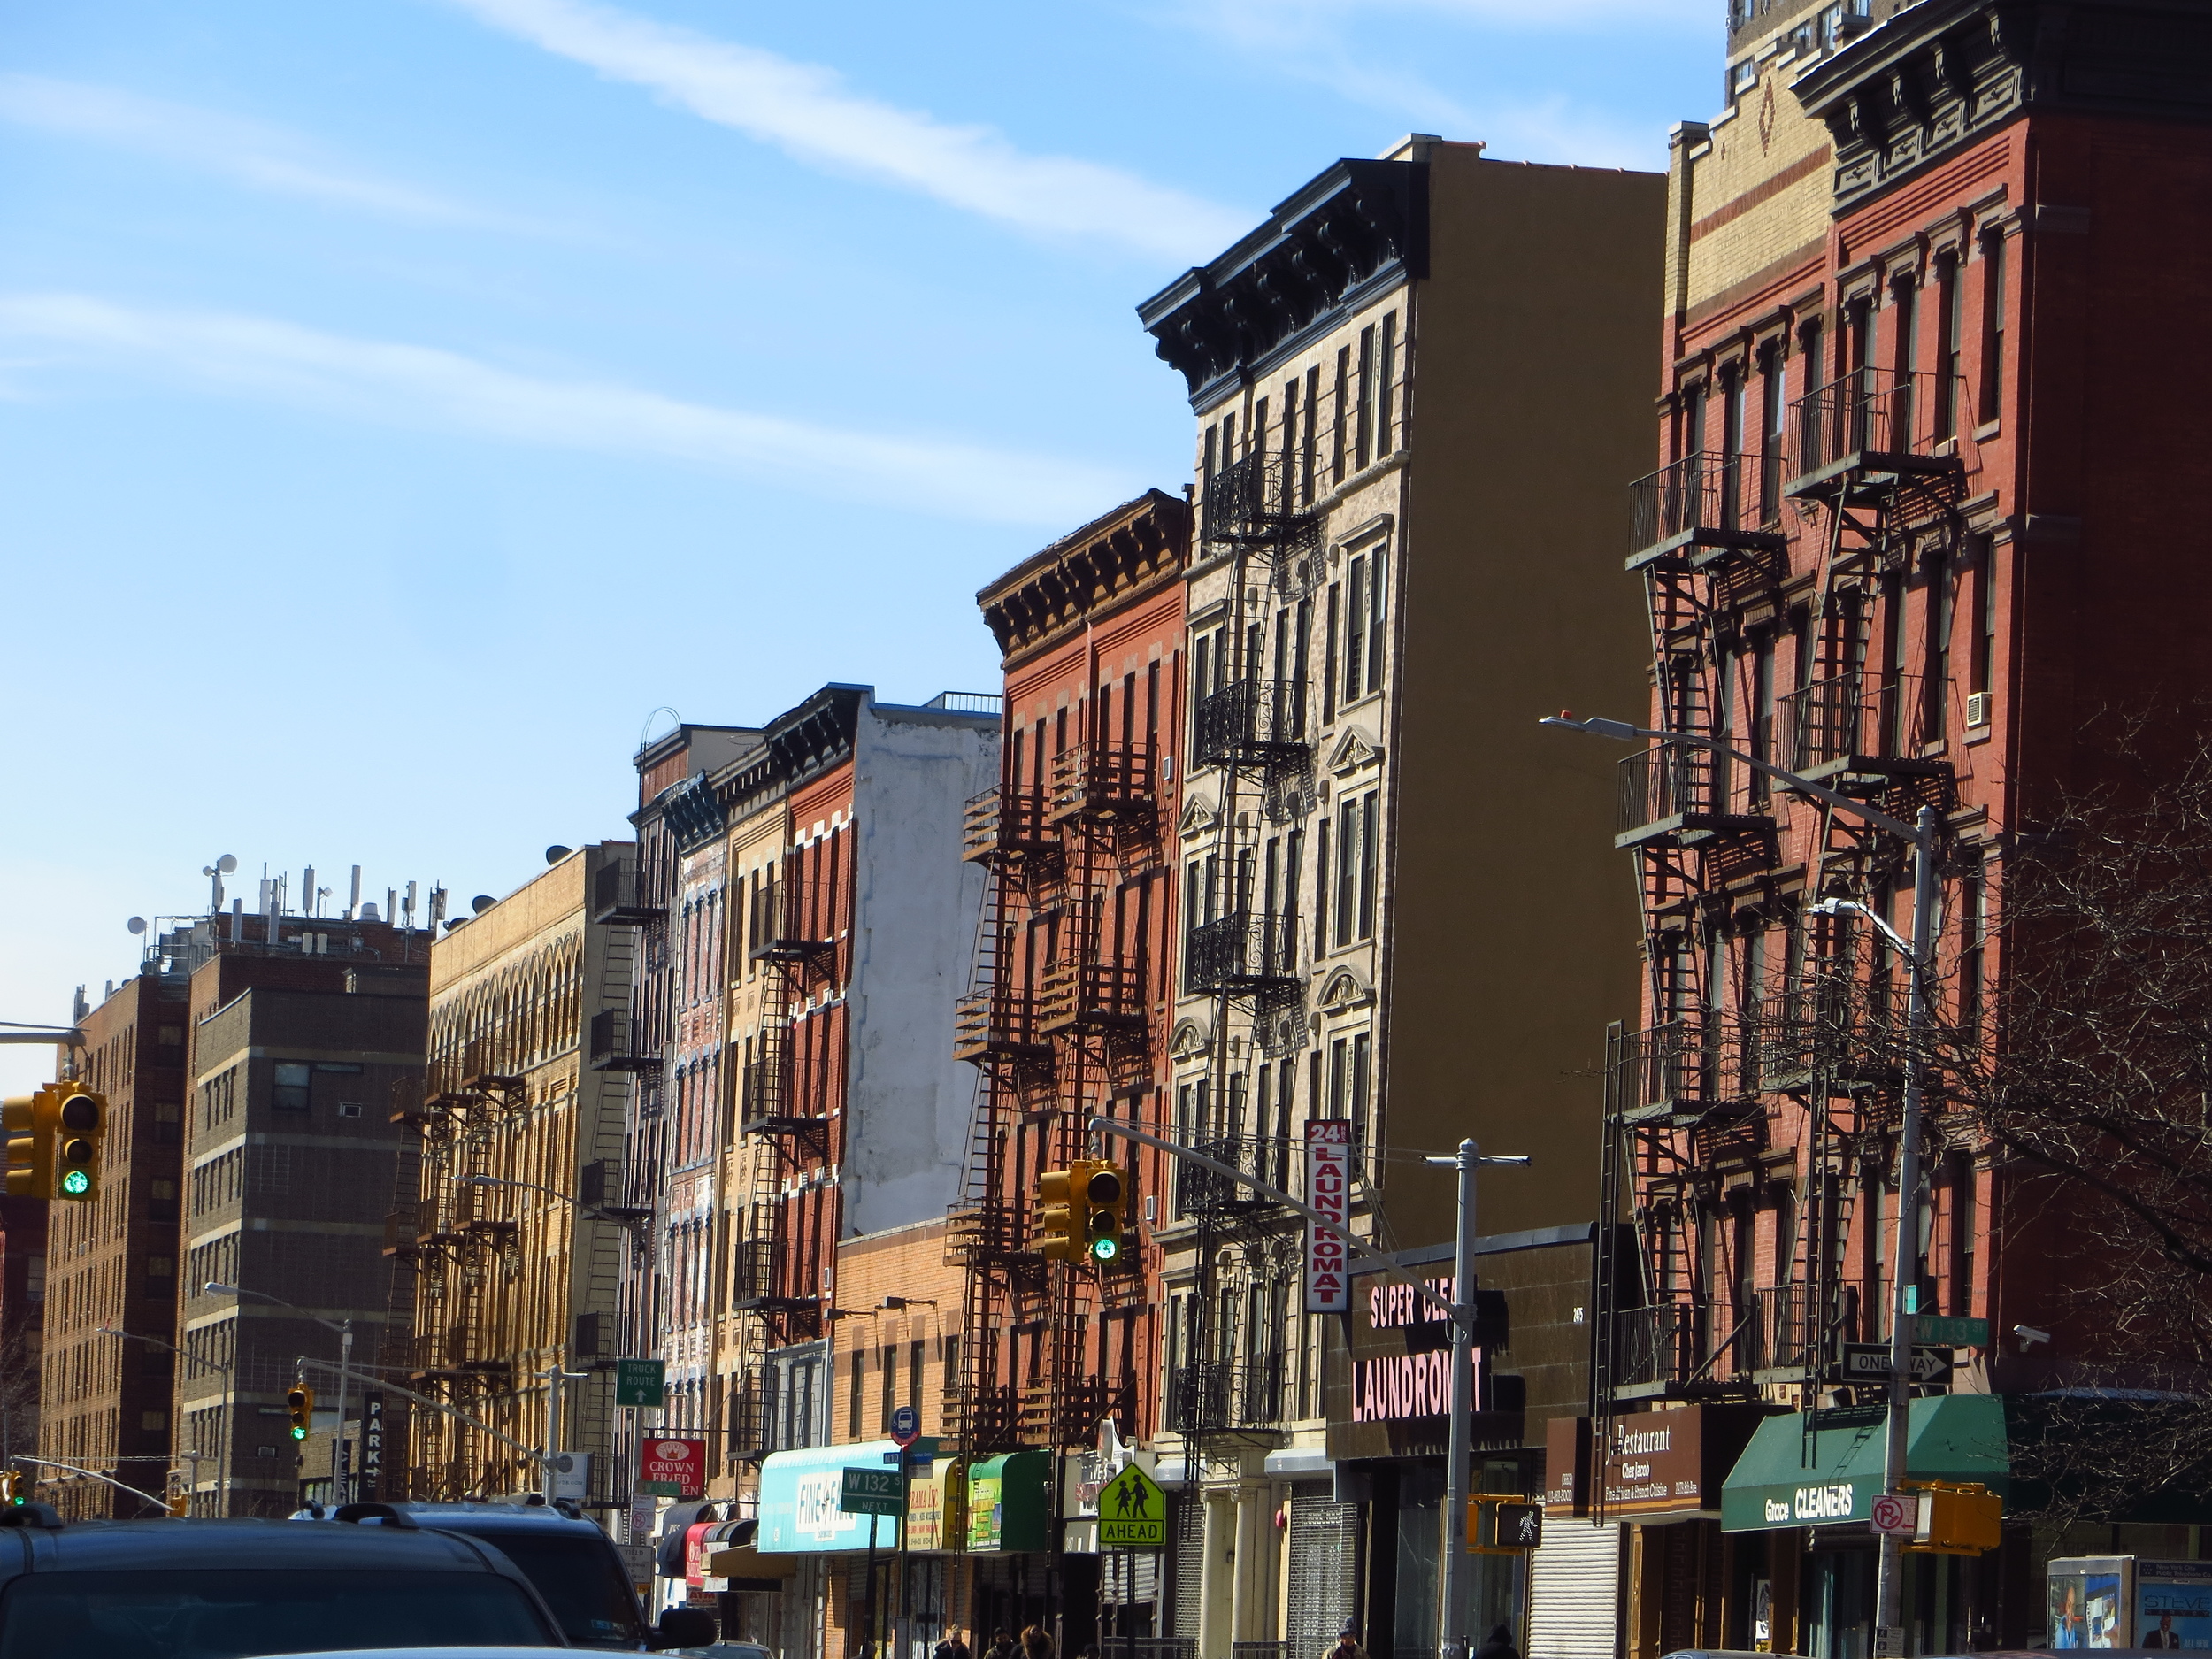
{"x":1329,"y":1190}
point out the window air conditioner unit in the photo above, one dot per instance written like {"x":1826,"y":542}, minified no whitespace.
{"x":1978,"y":708}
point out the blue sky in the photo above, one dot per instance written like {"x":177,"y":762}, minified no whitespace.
{"x":400,"y":400}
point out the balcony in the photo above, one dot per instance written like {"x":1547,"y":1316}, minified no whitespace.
{"x":616,"y":1043}
{"x":1249,"y":505}
{"x":1102,"y":780}
{"x":1241,"y":954}
{"x":1252,"y":723}
{"x":998,"y":1023}
{"x":1680,"y":1073}
{"x":788,"y":924}
{"x":1775,"y":1337}
{"x":758,"y":1282}
{"x":1226,"y":1397}
{"x":988,"y":1234}
{"x":1872,"y":429}
{"x":1838,"y":1034}
{"x":1704,"y":507}
{"x":753,"y":1416}
{"x":1199,"y":1189}
{"x":614,"y":901}
{"x":1679,"y":793}
{"x":769,"y":1102}
{"x":1857,"y":728}
{"x":1668,"y":1351}
{"x":1006,"y":824}
{"x":1091,"y":998}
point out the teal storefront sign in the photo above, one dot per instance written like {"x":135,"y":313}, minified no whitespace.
{"x":1784,"y":1479}
{"x":802,"y":1496}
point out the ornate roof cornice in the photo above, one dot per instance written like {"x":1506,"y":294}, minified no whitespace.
{"x":1350,"y":233}
{"x":1139,"y":546}
{"x":1943,"y":73}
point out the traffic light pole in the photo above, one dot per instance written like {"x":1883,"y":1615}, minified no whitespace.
{"x":47,"y":1463}
{"x":530,"y":1452}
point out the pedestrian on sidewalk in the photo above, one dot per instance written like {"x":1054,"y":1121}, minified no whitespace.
{"x":1499,"y":1646}
{"x":1346,"y":1643}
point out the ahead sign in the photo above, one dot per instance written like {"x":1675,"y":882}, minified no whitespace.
{"x":1131,"y":1512}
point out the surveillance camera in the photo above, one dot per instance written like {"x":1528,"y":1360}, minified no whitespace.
{"x":2029,"y":1336}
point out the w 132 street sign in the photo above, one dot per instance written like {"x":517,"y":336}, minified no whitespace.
{"x":872,"y":1492}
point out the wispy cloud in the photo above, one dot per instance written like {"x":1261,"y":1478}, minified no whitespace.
{"x":807,"y":111}
{"x":422,"y":386}
{"x":252,"y":153}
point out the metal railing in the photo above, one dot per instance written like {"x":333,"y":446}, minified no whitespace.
{"x":1870,"y":417}
{"x":1251,"y":720}
{"x":1721,"y":494}
{"x":612,"y":1039}
{"x":997,"y":1021}
{"x":1251,"y":501}
{"x":614,"y":898}
{"x":1856,"y":715}
{"x":1264,"y":1157}
{"x":786,"y":924}
{"x":1103,"y":778}
{"x":767,"y":1094}
{"x":1656,"y":1344}
{"x":1666,"y":781}
{"x":1090,"y":995}
{"x":1678,"y":1063}
{"x":1003,"y":820}
{"x":1245,"y":950}
{"x":968,"y":701}
{"x":1854,"y":1030}
{"x":1226,"y":1394}
{"x":1783,"y":1337}
{"x":755,"y":1271}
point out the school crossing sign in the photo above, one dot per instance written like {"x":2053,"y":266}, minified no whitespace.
{"x":1131,"y":1512}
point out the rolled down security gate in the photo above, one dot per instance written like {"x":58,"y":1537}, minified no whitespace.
{"x":1324,"y":1563}
{"x":1574,"y":1586}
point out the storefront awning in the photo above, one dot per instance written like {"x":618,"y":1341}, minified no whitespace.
{"x":1008,"y":1503}
{"x":799,"y":1495}
{"x":1786,"y":1478}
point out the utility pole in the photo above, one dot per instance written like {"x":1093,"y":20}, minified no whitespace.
{"x":547,"y":1476}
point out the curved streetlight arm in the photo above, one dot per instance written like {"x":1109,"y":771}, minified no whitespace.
{"x":47,"y":1463}
{"x":133,"y":1336}
{"x":1622,"y":732}
{"x":215,"y":1289}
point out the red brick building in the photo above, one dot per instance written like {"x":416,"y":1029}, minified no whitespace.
{"x":1070,"y":1015}
{"x":1921,"y":517}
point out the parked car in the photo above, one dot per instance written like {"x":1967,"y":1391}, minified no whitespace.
{"x":230,"y":1589}
{"x":728,"y":1650}
{"x":574,"y":1565}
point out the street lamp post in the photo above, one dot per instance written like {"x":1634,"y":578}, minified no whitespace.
{"x":196,"y":1456}
{"x":339,"y":1470}
{"x":1889,"y":1580}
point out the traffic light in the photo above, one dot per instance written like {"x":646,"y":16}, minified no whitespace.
{"x":179,"y":1505}
{"x":1965,"y":1519}
{"x":1104,"y":1194}
{"x":80,"y":1122}
{"x":1057,"y":1237}
{"x":301,"y":1403}
{"x":11,"y":1489}
{"x":54,"y":1140}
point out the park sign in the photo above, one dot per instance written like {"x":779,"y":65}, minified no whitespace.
{"x":1131,"y":1512}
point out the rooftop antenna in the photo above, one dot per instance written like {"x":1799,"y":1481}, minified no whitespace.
{"x":648,"y":726}
{"x":309,"y":896}
{"x":353,"y":904}
{"x":409,"y":912}
{"x":215,"y":872}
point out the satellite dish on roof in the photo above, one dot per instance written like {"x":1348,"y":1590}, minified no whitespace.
{"x":557,"y":852}
{"x":137,"y":924}
{"x":481,"y":903}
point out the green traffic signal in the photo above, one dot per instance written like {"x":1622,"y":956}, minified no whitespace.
{"x":76,"y":1183}
{"x":1105,"y":1249}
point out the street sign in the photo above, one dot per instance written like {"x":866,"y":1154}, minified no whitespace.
{"x":1951,"y":1332}
{"x":923,"y":1450}
{"x":1329,"y":1190}
{"x":1895,"y":1515}
{"x":1869,"y":1362}
{"x":906,"y":1425}
{"x":572,"y":1475}
{"x":672,"y":1467}
{"x":871,"y":1492}
{"x":640,"y":1382}
{"x":1131,"y":1512}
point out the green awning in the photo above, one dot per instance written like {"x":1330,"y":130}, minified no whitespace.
{"x":1010,"y":1504}
{"x":1774,"y":1484}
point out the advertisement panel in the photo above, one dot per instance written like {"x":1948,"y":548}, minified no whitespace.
{"x":1329,"y":1190}
{"x":2173,"y":1604}
{"x":672,"y":1467}
{"x":800,"y":1495}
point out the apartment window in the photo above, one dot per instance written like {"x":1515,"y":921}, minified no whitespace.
{"x":1348,"y":857}
{"x":1973,"y":942}
{"x":1773,"y":396}
{"x":1355,"y":628}
{"x":1331,"y":606}
{"x":1307,"y":435}
{"x":1321,"y":889}
{"x":1985,"y":645}
{"x":168,"y":1124}
{"x":1936,"y":612}
{"x":161,"y":1199}
{"x":1351,"y":1061}
{"x":1735,"y":404}
{"x":853,"y":1393}
{"x":1228,"y":441}
{"x":1950,"y":320}
{"x":1209,"y":463}
{"x":1343,"y":414}
{"x":1386,"y":370}
{"x":914,"y":1375}
{"x":1761,"y":712}
{"x":1963,"y":1223}
{"x":1992,"y":325}
{"x":1369,"y":847}
{"x":289,"y":1093}
{"x":1290,"y":441}
{"x":1363,"y":433}
{"x":161,"y":1277}
{"x":1257,"y":441}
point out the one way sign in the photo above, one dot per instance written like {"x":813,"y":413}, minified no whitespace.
{"x":1869,"y":1362}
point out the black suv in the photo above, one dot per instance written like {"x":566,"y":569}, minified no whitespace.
{"x":226,"y":1589}
{"x":574,"y":1565}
